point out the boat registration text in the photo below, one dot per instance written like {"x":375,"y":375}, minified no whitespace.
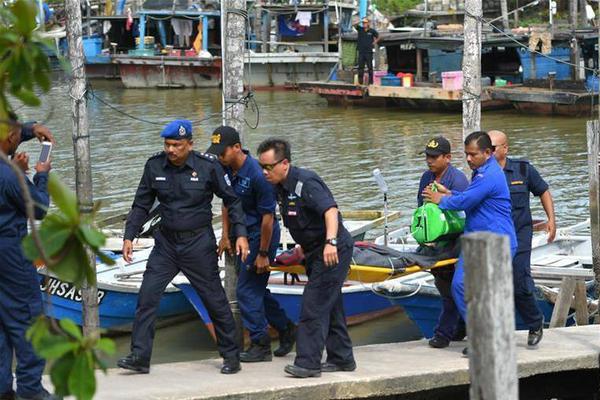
{"x":56,"y":287}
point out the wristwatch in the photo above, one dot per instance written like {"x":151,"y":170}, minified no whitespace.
{"x":332,"y":241}
{"x":263,"y":253}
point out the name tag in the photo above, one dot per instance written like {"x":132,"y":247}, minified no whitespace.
{"x":194,"y":179}
{"x":516,"y":183}
{"x":160,"y":178}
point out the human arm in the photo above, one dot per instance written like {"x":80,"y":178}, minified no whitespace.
{"x":140,"y":209}
{"x":330,"y":255}
{"x":548,"y":204}
{"x":376,"y":37}
{"x":38,"y":191}
{"x":225,"y":243}
{"x":30,"y":130}
{"x":477,"y":191}
{"x":266,"y":232}
{"x":318,"y":197}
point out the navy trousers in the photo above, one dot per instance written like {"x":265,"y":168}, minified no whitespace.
{"x":20,"y":303}
{"x":449,"y":317}
{"x":257,"y":305}
{"x":197,"y":258}
{"x":322,"y":320}
{"x":524,"y":287}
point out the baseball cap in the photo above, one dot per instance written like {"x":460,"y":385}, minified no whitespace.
{"x":221,"y":138}
{"x":436,"y":146}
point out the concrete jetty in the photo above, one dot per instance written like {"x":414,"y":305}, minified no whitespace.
{"x":402,"y":370}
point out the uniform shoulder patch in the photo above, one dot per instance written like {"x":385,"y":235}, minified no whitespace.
{"x":206,"y":156}
{"x":298,"y":189}
{"x":156,"y":155}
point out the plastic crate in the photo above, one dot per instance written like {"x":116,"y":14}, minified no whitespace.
{"x":452,"y":80}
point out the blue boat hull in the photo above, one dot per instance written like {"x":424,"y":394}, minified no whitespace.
{"x":424,"y":310}
{"x":116,"y":309}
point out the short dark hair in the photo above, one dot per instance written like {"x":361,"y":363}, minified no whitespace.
{"x":482,"y":139}
{"x":281,"y":147}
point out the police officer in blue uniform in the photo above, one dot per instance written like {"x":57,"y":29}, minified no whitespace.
{"x":486,"y":203}
{"x":440,"y":170}
{"x":522,"y":178}
{"x":258,"y":307}
{"x":184,"y":182}
{"x":311,"y":214}
{"x":20,"y":297}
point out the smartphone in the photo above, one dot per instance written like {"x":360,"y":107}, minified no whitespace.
{"x":45,"y":153}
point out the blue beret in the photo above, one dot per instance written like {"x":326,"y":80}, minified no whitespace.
{"x":178,"y":129}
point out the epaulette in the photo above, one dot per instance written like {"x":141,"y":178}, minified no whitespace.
{"x":156,"y":155}
{"x":206,"y":156}
{"x":521,"y":160}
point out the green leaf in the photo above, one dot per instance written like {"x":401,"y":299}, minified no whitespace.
{"x":60,"y":372}
{"x":100,"y":363}
{"x":37,"y":331}
{"x":30,"y":249}
{"x":55,"y":346}
{"x":72,"y":267}
{"x":106,"y":345}
{"x":28,"y":97}
{"x":64,"y":198}
{"x":104,"y":258}
{"x":25,"y":12}
{"x":92,"y":236}
{"x":82,"y":382}
{"x":71,"y":328}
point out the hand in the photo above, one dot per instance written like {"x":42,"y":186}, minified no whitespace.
{"x":225,"y":245}
{"x":330,"y":255}
{"x":43,"y":133}
{"x":262,"y":264}
{"x":127,"y":250}
{"x":441,"y":188}
{"x":22,"y":160}
{"x":44,"y":166}
{"x":551,"y":229}
{"x":241,"y":248}
{"x":431,"y":196}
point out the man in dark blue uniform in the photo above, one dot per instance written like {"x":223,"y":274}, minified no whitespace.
{"x":311,"y":214}
{"x":438,"y":157}
{"x":184,"y":182}
{"x":522,"y":178}
{"x":366,"y":40}
{"x":20,"y":297}
{"x":257,"y":305}
{"x":486,"y":203}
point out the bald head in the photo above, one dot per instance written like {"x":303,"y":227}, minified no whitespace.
{"x":500,"y":142}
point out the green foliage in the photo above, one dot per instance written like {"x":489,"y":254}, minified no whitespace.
{"x":24,"y":65}
{"x":65,"y":235}
{"x":395,"y":7}
{"x":73,"y":357}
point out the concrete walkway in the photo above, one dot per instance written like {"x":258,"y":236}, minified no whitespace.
{"x":385,"y":369}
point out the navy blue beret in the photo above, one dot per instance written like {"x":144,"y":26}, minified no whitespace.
{"x":178,"y":129}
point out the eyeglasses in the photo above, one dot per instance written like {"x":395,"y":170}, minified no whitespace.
{"x":270,"y":167}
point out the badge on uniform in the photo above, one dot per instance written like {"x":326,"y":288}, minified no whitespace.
{"x":160,"y":178}
{"x":182,"y":131}
{"x":226,"y":177}
{"x":194,"y":177}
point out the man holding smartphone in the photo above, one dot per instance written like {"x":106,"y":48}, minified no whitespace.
{"x":20,"y":297}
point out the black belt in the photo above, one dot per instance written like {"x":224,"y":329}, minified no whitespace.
{"x":181,"y":235}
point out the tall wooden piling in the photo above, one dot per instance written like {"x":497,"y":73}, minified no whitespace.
{"x":593,"y":142}
{"x":491,"y":317}
{"x":472,"y":67}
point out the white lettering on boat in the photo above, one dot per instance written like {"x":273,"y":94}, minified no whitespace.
{"x":56,"y":287}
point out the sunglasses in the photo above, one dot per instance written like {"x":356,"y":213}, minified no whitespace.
{"x":270,"y":167}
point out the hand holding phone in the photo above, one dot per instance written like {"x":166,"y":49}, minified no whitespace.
{"x":45,"y":153}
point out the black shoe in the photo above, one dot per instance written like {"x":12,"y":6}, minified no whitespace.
{"x":134,"y":363}
{"x":287,"y":339}
{"x":331,"y":367}
{"x":258,"y":351}
{"x":439,"y":342}
{"x":7,"y":396}
{"x":231,"y":366}
{"x":535,"y":336}
{"x":465,"y":352}
{"x":460,"y":333}
{"x":300,"y":372}
{"x":43,"y":395}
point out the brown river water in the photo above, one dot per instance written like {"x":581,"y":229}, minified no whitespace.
{"x":343,"y":145}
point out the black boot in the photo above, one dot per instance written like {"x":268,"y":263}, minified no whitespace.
{"x":258,"y":351}
{"x":134,"y":363}
{"x":287,"y":338}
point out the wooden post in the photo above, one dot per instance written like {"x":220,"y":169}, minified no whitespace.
{"x":81,"y":150}
{"x":491,"y":317}
{"x":593,"y":141}
{"x":582,"y":315}
{"x":326,"y":27}
{"x":472,"y":68}
{"x":419,"y":76}
{"x":573,"y":6}
{"x":233,"y":34}
{"x":504,"y":11}
{"x":563,"y":303}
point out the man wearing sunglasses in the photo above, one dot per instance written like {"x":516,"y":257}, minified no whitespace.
{"x":258,"y":307}
{"x":311,"y":214}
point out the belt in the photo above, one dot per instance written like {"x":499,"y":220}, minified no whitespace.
{"x":180,"y":235}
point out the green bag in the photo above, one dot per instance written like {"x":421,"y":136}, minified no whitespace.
{"x":430,"y":223}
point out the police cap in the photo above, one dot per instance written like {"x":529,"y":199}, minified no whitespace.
{"x":178,"y":129}
{"x":436,"y":146}
{"x":223,"y":137}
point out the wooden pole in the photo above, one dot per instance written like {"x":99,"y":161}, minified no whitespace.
{"x":472,"y":67}
{"x":233,"y":33}
{"x":418,"y":77}
{"x":593,"y":141}
{"x":491,"y":318}
{"x":81,"y":150}
{"x":504,"y":11}
{"x":573,"y":7}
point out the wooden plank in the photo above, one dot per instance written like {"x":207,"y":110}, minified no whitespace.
{"x":557,"y":272}
{"x":491,"y":318}
{"x":563,"y":303}
{"x":580,"y":304}
{"x":427,"y":93}
{"x":593,"y":142}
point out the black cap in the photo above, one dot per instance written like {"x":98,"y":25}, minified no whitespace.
{"x":436,"y":146}
{"x":221,"y":138}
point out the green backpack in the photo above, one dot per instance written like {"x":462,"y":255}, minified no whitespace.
{"x":430,"y":223}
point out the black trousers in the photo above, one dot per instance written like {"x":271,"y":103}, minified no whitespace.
{"x":197,"y":258}
{"x":322,"y":320}
{"x":524,"y":287}
{"x":365,"y":58}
